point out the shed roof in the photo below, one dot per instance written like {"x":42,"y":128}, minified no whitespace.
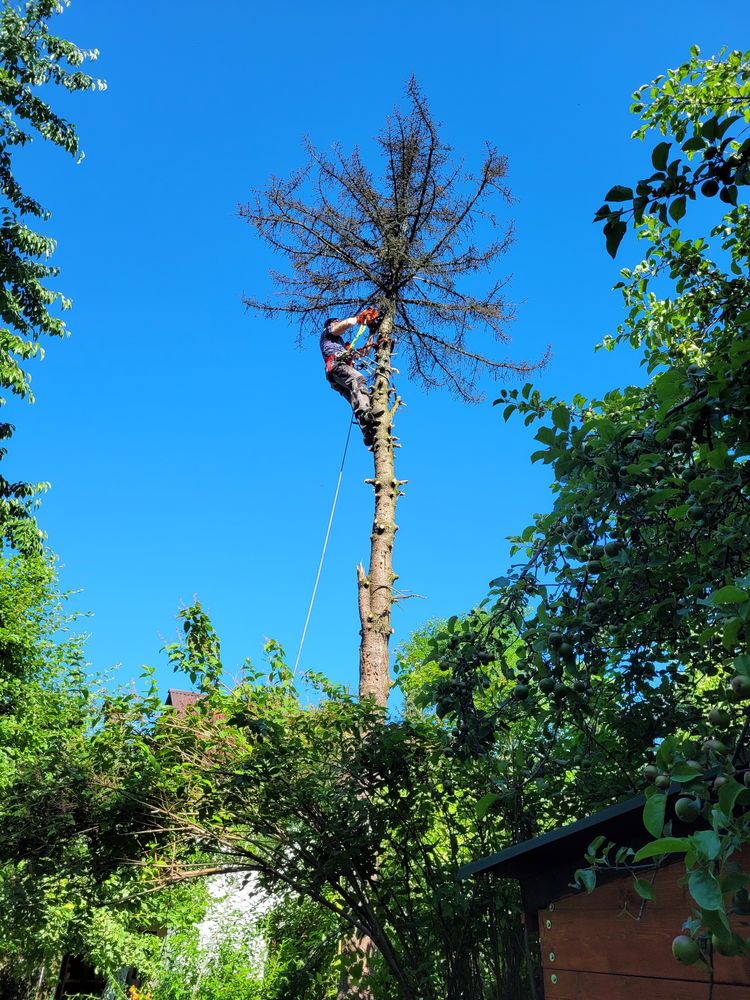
{"x":546,"y":865}
{"x":571,"y":840}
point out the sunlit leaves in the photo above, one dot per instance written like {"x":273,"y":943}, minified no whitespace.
{"x":641,"y":572}
{"x":31,"y":59}
{"x":714,"y":159}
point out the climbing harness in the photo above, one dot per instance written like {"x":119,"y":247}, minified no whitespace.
{"x":347,"y":357}
{"x":325,"y":546}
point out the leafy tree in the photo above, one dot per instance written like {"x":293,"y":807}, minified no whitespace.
{"x":696,"y":105}
{"x":635,"y":592}
{"x":70,"y":768}
{"x":68,"y":755}
{"x":366,"y":820}
{"x":305,"y":797}
{"x":411,"y":244}
{"x":31,"y":59}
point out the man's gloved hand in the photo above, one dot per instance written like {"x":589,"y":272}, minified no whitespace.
{"x":368,"y":316}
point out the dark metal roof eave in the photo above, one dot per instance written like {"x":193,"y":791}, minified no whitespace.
{"x":506,"y":861}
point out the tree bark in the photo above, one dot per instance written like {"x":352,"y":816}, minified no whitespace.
{"x":376,"y":586}
{"x":358,"y":947}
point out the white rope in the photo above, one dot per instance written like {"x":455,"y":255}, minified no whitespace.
{"x":323,"y":553}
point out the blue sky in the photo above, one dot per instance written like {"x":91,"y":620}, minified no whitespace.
{"x":191,"y":447}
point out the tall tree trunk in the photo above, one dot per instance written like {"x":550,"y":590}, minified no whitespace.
{"x":376,"y":586}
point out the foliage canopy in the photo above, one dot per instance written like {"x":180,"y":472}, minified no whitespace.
{"x":31,"y":58}
{"x":637,"y":582}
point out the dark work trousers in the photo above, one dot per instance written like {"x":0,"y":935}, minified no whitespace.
{"x":353,"y":387}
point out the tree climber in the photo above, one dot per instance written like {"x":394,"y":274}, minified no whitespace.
{"x":342,"y":376}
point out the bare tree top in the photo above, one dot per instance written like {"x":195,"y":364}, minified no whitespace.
{"x":405,"y":242}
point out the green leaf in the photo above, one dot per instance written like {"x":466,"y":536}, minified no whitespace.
{"x":644,"y":889}
{"x":705,"y":890}
{"x":659,"y":155}
{"x":595,"y":844}
{"x":708,"y":129}
{"x":546,"y":435}
{"x":606,"y":430}
{"x":653,"y":814}
{"x":619,"y":193}
{"x":726,"y":124}
{"x":731,"y":632}
{"x":729,"y":595}
{"x":665,"y":753}
{"x":677,"y":208}
{"x":561,"y":417}
{"x":716,"y":921}
{"x":729,"y":792}
{"x":679,"y":511}
{"x":666,"y":845}
{"x":587,"y":878}
{"x":485,"y":804}
{"x":686,"y":772}
{"x":717,"y":456}
{"x":707,"y":844}
{"x":614,"y":231}
{"x":669,"y":385}
{"x":734,"y":881}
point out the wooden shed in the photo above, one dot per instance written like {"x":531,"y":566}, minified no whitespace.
{"x":611,"y":944}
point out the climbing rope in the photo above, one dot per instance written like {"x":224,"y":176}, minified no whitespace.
{"x":357,"y":335}
{"x":325,"y":546}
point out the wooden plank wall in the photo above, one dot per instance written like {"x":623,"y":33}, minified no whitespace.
{"x":610,"y":943}
{"x":595,"y":986}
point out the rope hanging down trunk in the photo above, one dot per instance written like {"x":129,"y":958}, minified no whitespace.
{"x":325,"y":546}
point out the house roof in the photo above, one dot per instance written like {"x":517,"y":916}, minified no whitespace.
{"x":182,"y":700}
